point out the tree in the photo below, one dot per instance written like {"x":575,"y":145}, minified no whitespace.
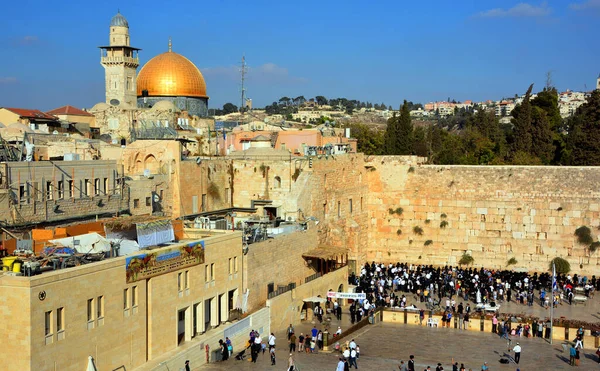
{"x":584,"y":133}
{"x":284,"y":100}
{"x":404,"y":141}
{"x":541,"y":136}
{"x":321,"y":100}
{"x":390,"y":136}
{"x":369,"y":140}
{"x":420,"y":143}
{"x":229,"y":108}
{"x":522,"y":125}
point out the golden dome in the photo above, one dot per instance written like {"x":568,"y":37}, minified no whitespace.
{"x":171,"y":75}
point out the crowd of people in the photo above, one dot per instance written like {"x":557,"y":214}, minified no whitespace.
{"x":387,"y":285}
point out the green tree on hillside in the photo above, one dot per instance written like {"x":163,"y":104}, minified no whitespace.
{"x":522,"y":125}
{"x":584,"y":133}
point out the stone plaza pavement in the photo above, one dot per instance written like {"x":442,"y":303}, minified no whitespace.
{"x":383,"y":345}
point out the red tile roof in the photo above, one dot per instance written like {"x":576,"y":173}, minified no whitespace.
{"x":31,"y":113}
{"x":69,"y":110}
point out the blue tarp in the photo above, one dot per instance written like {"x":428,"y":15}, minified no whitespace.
{"x":59,"y":250}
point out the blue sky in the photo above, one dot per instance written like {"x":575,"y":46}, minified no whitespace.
{"x":378,"y":51}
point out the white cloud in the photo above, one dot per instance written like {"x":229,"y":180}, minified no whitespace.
{"x":519,"y":10}
{"x":268,"y":72}
{"x":8,"y":80}
{"x":589,"y":4}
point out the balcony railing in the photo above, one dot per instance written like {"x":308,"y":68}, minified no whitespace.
{"x":128,"y":60}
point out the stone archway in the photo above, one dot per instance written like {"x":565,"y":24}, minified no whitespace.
{"x":151,"y":164}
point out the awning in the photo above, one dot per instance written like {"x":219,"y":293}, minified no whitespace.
{"x":326,"y":253}
{"x":315,"y":299}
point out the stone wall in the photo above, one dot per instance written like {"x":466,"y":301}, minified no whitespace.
{"x":278,"y":261}
{"x":493,"y":213}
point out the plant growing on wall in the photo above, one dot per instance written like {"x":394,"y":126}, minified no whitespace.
{"x":466,"y":259}
{"x":213,"y":191}
{"x":427,"y":221}
{"x":511,"y":261}
{"x":593,"y":247}
{"x":443,"y":224}
{"x":411,"y":169}
{"x":428,"y":242}
{"x":418,"y":230}
{"x":399,"y":232}
{"x":443,"y":216}
{"x":562,"y":265}
{"x":397,"y":211}
{"x":584,"y":235}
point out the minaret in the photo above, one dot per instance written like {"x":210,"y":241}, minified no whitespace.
{"x":120,"y":62}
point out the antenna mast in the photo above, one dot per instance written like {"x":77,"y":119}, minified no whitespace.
{"x":243,"y":70}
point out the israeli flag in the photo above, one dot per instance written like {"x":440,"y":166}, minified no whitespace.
{"x":554,"y":286}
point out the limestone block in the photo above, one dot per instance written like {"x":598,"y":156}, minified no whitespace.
{"x":576,"y":214}
{"x":482,"y":210}
{"x":566,"y":221}
{"x":404,"y":202}
{"x":532,"y":212}
{"x":594,"y":207}
{"x":552,"y":220}
{"x":517,"y":235}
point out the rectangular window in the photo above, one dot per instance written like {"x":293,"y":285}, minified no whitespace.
{"x":339,"y":209}
{"x":136,"y":203}
{"x":22,"y":193}
{"x":100,"y":307}
{"x":71,"y":189}
{"x":204,"y":205}
{"x":186,"y":279}
{"x":87,"y":188}
{"x":226,"y":195}
{"x":230,"y":265}
{"x":212,"y":271}
{"x":126,"y":299}
{"x":96,"y":186}
{"x":134,"y":296}
{"x":49,"y":193}
{"x":61,"y":189}
{"x":60,"y":319}
{"x":90,"y":310}
{"x":48,"y":323}
{"x":361,"y":204}
{"x":148,"y":201}
{"x":105,"y":187}
{"x":350,"y":205}
{"x":206,"y":274}
{"x":283,"y":147}
{"x":235,"y":264}
{"x":180,"y":281}
{"x":35,"y":191}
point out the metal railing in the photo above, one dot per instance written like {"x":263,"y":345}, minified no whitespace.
{"x":282,"y":289}
{"x":312,"y":277}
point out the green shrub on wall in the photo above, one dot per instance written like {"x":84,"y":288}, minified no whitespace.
{"x":584,"y":235}
{"x":466,"y":259}
{"x":418,"y":230}
{"x":511,"y":261}
{"x":443,"y":224}
{"x":562,"y":266}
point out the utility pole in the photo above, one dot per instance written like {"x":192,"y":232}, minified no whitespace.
{"x":243,"y":71}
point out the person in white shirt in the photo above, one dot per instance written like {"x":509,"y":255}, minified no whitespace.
{"x":346,"y":353}
{"x":517,"y":350}
{"x":339,"y":331}
{"x":353,"y":359}
{"x":352,"y":344}
{"x":340,"y":365}
{"x":271,"y":341}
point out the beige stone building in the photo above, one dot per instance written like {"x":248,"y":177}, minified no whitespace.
{"x":126,"y":315}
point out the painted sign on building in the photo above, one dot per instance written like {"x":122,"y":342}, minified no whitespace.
{"x":347,"y":295}
{"x":140,"y":267}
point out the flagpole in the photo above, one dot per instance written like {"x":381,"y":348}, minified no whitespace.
{"x":552,"y":303}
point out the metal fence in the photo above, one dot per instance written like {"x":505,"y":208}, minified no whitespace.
{"x":312,"y":277}
{"x":282,"y":289}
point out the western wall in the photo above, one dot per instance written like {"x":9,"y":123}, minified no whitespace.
{"x":493,"y":213}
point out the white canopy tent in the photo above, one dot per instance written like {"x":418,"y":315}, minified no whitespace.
{"x":315,"y":299}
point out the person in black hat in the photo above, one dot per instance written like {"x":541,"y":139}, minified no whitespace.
{"x":187,"y":365}
{"x":411,"y":363}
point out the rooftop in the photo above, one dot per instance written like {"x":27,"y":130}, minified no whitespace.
{"x":69,"y":110}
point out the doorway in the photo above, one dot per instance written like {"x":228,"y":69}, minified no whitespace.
{"x":207,"y":314}
{"x":180,"y":327}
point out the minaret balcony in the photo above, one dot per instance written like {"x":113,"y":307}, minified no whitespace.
{"x":121,"y":60}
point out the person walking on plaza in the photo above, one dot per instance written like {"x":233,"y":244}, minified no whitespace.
{"x":572,"y":354}
{"x":402,"y":366}
{"x":517,"y":350}
{"x":421,"y":316}
{"x":340,"y":365}
{"x":494,"y":324}
{"x":272,"y":353}
{"x":338,"y":313}
{"x":353,"y":359}
{"x":292,"y":343}
{"x":411,"y":363}
{"x":291,"y":363}
{"x":187,"y":365}
{"x":271,"y":341}
{"x":290,"y":331}
{"x":301,"y":342}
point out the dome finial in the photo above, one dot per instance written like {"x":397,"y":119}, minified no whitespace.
{"x":170,"y":44}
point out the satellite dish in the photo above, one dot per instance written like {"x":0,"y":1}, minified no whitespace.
{"x":114,"y":102}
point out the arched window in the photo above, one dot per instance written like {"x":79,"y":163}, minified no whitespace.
{"x":277,"y":182}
